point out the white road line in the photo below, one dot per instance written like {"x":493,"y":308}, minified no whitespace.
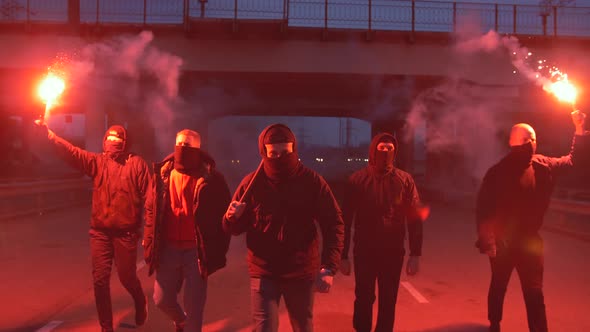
{"x":50,"y":326}
{"x":415,"y":293}
{"x":140,"y":265}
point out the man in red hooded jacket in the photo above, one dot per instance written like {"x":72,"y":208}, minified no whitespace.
{"x":120,"y":182}
{"x":381,"y":201}
{"x":184,"y":242}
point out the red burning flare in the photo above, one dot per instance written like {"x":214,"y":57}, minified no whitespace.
{"x":562,"y":88}
{"x":49,"y":90}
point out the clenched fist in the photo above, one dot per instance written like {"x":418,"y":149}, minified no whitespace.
{"x":235,"y":210}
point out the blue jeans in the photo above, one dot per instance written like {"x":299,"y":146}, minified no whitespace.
{"x":265,"y":295}
{"x":178,"y":266}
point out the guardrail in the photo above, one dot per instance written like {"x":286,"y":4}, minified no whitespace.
{"x":568,"y":210}
{"x":570,"y":206}
{"x":368,"y":15}
{"x":37,"y":197}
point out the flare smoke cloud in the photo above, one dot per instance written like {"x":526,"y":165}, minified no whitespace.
{"x":133,"y":81}
{"x":519,"y":55}
{"x":461,"y":116}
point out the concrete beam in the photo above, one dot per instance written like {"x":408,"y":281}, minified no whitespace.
{"x":310,"y":56}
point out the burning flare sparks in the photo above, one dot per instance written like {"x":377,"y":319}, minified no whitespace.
{"x":556,"y":82}
{"x":50,"y":90}
{"x":562,"y":88}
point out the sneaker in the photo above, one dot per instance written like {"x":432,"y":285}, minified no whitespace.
{"x":179,"y":327}
{"x":141,"y":314}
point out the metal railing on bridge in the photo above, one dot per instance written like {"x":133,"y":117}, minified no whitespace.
{"x":364,"y":15}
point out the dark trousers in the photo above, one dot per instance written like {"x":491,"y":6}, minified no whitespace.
{"x":385,"y":270}
{"x":265,"y":295}
{"x":526,"y":255}
{"x":104,"y":246}
{"x":178,"y":267}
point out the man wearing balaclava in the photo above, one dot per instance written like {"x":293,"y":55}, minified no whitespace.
{"x":279,"y":215}
{"x":511,"y":204}
{"x":381,"y":201}
{"x":120,"y":181}
{"x":184,"y":242}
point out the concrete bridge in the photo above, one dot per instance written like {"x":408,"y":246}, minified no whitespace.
{"x":363,"y":59}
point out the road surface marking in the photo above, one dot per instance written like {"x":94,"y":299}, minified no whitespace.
{"x":50,"y":326}
{"x":415,"y":293}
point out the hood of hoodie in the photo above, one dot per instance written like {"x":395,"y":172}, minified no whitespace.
{"x":262,"y":136}
{"x":285,"y":166}
{"x":375,"y":141}
{"x":120,"y":132}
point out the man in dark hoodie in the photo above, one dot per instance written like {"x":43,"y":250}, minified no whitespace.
{"x":279,"y":218}
{"x":511,"y":204}
{"x":380,"y":201}
{"x":120,"y":182}
{"x":184,"y":241}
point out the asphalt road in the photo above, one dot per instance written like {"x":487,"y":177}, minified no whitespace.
{"x":45,"y":282}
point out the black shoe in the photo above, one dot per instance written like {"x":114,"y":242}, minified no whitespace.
{"x":495,"y":327}
{"x":141,"y":314}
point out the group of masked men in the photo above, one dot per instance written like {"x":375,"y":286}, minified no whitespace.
{"x":284,"y":207}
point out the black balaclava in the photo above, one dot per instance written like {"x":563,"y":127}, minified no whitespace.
{"x":187,"y":159}
{"x":522,"y":155}
{"x":115,"y":149}
{"x":286,"y":165}
{"x":382,"y":161}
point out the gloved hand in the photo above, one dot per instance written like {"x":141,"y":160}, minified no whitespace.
{"x":235,"y":210}
{"x":324,"y":281}
{"x":413,"y":265}
{"x":345,"y":266}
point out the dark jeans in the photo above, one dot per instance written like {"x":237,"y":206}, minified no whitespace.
{"x":526,"y":255}
{"x":386,"y":271}
{"x":104,"y":246}
{"x":265,"y":295}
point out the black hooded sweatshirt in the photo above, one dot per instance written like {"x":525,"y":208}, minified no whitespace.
{"x":514,"y":197}
{"x":280,"y":223}
{"x":119,"y":186}
{"x":381,"y":204}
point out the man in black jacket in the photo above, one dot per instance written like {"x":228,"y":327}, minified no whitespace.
{"x":511,"y":204}
{"x":381,"y":201}
{"x":120,"y":182}
{"x":184,"y":241}
{"x":279,"y":218}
